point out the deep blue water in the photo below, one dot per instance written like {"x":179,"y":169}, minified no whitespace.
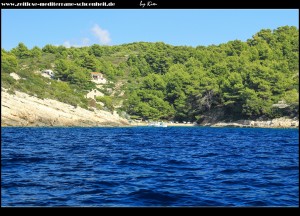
{"x":144,"y":166}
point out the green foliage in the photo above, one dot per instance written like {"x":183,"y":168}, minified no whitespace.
{"x":62,"y":69}
{"x":244,"y":79}
{"x":41,"y":87}
{"x":9,"y":62}
{"x":96,"y":50}
{"x":89,"y":62}
{"x":49,"y":49}
{"x":108,"y":102}
{"x":36,"y":52}
{"x":253,"y":105}
{"x":21,"y":51}
{"x":6,"y":80}
{"x":291,"y":97}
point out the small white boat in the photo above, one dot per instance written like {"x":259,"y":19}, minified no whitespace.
{"x":157,"y":124}
{"x":162,"y":124}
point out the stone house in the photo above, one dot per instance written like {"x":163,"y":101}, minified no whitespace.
{"x":98,"y":78}
{"x":94,"y":93}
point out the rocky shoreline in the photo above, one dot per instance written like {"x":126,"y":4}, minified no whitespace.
{"x":23,"y":110}
{"x":282,"y":122}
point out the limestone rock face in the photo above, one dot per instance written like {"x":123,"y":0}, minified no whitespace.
{"x":274,"y":123}
{"x":15,"y":76}
{"x":22,"y":109}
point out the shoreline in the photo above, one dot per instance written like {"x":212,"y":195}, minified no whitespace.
{"x":23,"y":110}
{"x":131,"y":126}
{"x":271,"y":124}
{"x":283,"y":122}
{"x":280,"y":123}
{"x":145,"y":124}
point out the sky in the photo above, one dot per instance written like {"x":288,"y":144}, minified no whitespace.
{"x":189,"y":27}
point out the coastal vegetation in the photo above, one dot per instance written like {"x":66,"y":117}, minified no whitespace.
{"x":258,"y":78}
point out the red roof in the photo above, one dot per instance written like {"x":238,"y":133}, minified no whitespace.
{"x":96,"y":73}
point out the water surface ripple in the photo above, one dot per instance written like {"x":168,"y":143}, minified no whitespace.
{"x":146,"y":166}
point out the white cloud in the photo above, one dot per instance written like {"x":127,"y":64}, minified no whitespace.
{"x":84,"y":42}
{"x":101,"y":34}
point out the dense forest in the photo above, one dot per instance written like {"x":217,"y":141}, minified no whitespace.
{"x":258,"y":78}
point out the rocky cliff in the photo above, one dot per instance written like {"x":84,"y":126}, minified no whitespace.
{"x":21,"y":109}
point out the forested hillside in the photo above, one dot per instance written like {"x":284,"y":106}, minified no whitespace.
{"x":244,"y":80}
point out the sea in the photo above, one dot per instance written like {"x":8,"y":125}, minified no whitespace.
{"x":149,"y":167}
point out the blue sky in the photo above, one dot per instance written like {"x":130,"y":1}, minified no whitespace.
{"x":191,"y":27}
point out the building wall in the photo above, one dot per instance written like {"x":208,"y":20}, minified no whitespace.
{"x":94,"y":93}
{"x":98,"y":78}
{"x":100,"y":81}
